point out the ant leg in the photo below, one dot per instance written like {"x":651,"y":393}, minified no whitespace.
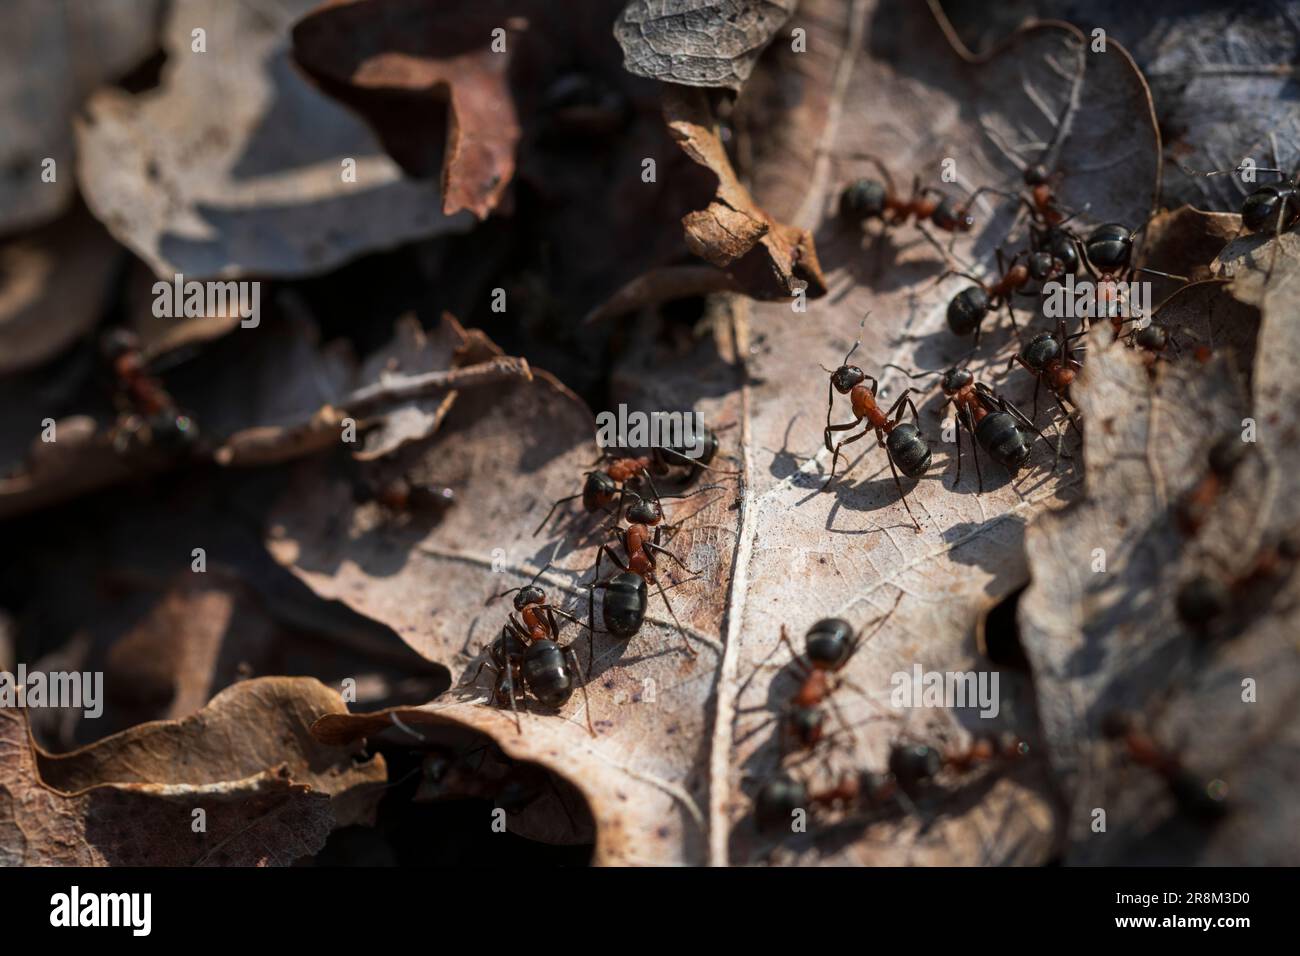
{"x":863,"y":637}
{"x":848,"y":441}
{"x":1068,"y":417}
{"x":846,"y":426}
{"x":582,"y":678}
{"x":957,"y":425}
{"x":567,"y":616}
{"x":804,"y":669}
{"x":1037,"y":384}
{"x":482,"y":664}
{"x":551,"y":512}
{"x":975,"y":451}
{"x":651,"y":546}
{"x":508,"y":676}
{"x":901,"y":493}
{"x":685,"y":641}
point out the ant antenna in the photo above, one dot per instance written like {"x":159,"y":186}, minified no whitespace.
{"x":913,"y":375}
{"x":850,"y":352}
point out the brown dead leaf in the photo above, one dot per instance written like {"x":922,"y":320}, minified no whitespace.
{"x":711,"y":43}
{"x":764,"y":258}
{"x":1106,"y":637}
{"x":257,"y":188}
{"x":129,"y":799}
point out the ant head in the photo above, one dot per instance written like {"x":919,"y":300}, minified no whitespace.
{"x":846,"y":377}
{"x":645,"y":511}
{"x":1042,"y":349}
{"x":1036,"y":175}
{"x":951,"y":218}
{"x":955,"y":379}
{"x":530,"y":594}
{"x":1044,"y":266}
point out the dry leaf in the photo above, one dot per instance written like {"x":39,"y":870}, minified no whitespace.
{"x":712,"y":43}
{"x":256,"y":188}
{"x":129,"y":799}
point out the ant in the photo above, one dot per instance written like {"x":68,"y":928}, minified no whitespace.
{"x":404,"y":496}
{"x":1204,"y":799}
{"x":1202,"y":601}
{"x":142,"y":395}
{"x":526,"y":656}
{"x":828,"y":647}
{"x":1225,"y":456}
{"x":1108,"y":253}
{"x":779,"y":798}
{"x":626,"y":594}
{"x":1049,"y":358}
{"x":969,"y":307}
{"x":905,"y":446}
{"x":865,"y":199}
{"x":665,"y":458}
{"x":993,"y":422}
{"x":914,"y":766}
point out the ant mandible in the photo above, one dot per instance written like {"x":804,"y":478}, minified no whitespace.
{"x":527,"y":655}
{"x":905,"y":447}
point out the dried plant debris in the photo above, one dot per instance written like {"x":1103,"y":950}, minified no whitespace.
{"x":279,"y":182}
{"x":710,"y":43}
{"x":269,"y":801}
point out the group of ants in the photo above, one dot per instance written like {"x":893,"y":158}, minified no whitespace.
{"x":527,"y":656}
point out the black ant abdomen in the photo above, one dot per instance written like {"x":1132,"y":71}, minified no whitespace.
{"x":999,"y":434}
{"x":829,"y":643}
{"x":547,"y":674}
{"x":967,"y":310}
{"x":1259,"y":211}
{"x":863,"y":199}
{"x":1109,"y":247}
{"x":624,"y":607}
{"x":1041,"y":350}
{"x":914,"y":764}
{"x":776,"y":802}
{"x":910,"y":451}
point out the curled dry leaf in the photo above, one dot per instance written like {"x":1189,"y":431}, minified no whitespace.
{"x":763,"y":258}
{"x":1100,"y":626}
{"x":386,"y":58}
{"x":708,"y":741}
{"x":711,"y":43}
{"x":270,"y":800}
{"x":257,"y":188}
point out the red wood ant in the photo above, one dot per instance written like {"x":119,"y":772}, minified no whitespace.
{"x":991,"y":420}
{"x":828,"y":647}
{"x":527,"y":655}
{"x":1049,"y":358}
{"x":865,"y":199}
{"x":1225,"y":456}
{"x":1205,"y":799}
{"x":1202,"y":601}
{"x":915,"y":765}
{"x":905,"y":446}
{"x":144,"y":396}
{"x":1108,"y":254}
{"x":401,"y":495}
{"x":626,"y":596}
{"x":1276,"y":206}
{"x":969,"y":307}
